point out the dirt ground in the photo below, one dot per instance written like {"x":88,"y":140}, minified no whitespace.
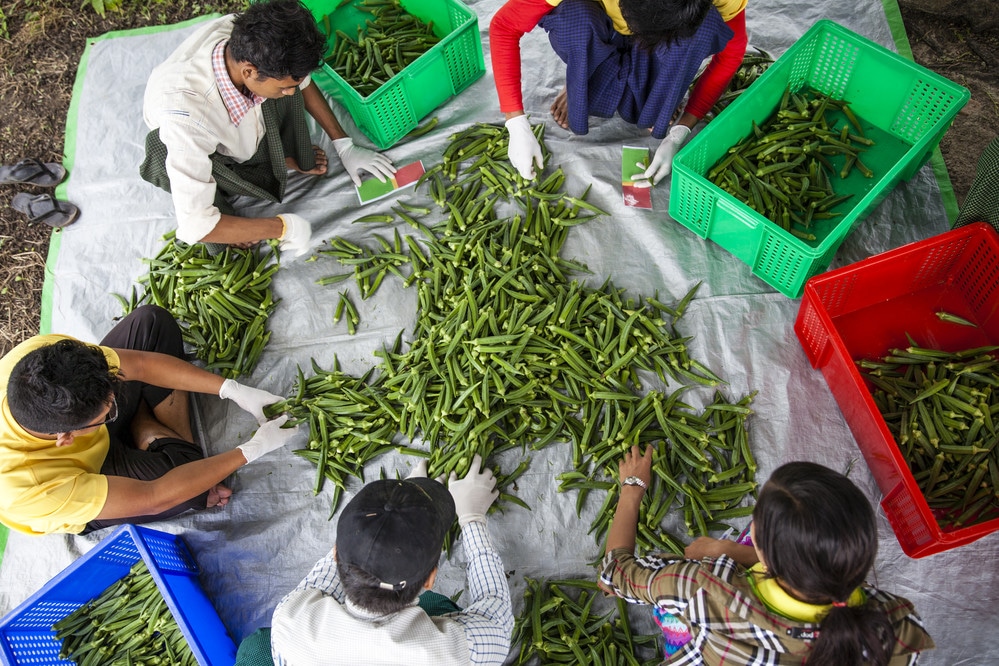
{"x":45,"y":39}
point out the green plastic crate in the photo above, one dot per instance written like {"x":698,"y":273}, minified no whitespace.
{"x":903,"y":106}
{"x":398,"y":106}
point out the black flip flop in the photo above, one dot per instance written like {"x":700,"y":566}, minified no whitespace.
{"x":30,"y":171}
{"x":44,"y":208}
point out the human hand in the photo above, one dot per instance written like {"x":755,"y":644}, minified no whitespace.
{"x":474,"y":494}
{"x":639,"y":179}
{"x":269,"y":436}
{"x":419,"y":470}
{"x":704,"y":546}
{"x":524,"y":150}
{"x":635,"y":463}
{"x":297,"y":234}
{"x":357,"y":158}
{"x":252,"y":400}
{"x":662,"y":162}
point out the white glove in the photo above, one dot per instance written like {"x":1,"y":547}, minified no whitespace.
{"x":419,"y":470}
{"x":662,"y":162}
{"x":252,"y":400}
{"x":269,"y":436}
{"x":524,"y":151}
{"x":474,"y":494}
{"x":357,"y":158}
{"x":297,"y":234}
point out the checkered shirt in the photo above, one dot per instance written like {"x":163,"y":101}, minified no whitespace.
{"x":235,"y":101}
{"x":316,"y":623}
{"x":730,"y":625}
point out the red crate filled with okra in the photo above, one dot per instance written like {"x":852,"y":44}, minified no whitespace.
{"x":908,"y":341}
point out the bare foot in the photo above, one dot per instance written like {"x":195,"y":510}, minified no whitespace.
{"x":218,"y":496}
{"x":560,"y":109}
{"x":320,"y":167}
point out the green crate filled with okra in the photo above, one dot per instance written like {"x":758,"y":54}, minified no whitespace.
{"x":831,"y":127}
{"x":390,"y":63}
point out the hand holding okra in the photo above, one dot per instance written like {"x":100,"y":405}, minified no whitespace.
{"x":296,"y":236}
{"x":525,"y":150}
{"x":269,"y":437}
{"x":474,"y":494}
{"x":635,"y":463}
{"x":252,"y":400}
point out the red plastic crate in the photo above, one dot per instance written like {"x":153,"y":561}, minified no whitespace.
{"x":865,"y":309}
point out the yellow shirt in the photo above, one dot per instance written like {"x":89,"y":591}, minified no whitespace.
{"x":727,"y":9}
{"x":45,"y":488}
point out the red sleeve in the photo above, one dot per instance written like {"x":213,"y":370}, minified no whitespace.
{"x":508,"y":25}
{"x":720,"y":70}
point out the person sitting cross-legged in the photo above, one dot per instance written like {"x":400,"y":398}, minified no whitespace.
{"x":98,"y":435}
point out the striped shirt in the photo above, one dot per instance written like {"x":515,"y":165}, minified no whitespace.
{"x":729,"y":623}
{"x":317,"y":624}
{"x":236,"y":103}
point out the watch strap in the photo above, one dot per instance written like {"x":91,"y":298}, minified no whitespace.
{"x":634,"y":481}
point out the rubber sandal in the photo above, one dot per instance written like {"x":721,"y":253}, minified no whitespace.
{"x":45,"y":209}
{"x":30,"y":171}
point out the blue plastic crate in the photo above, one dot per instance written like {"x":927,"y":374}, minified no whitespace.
{"x":26,"y":635}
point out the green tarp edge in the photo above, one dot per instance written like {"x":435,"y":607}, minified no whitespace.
{"x":897,"y":27}
{"x":69,"y":150}
{"x":69,"y":155}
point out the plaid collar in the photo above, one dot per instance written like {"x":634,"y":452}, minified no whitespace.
{"x":236,"y":103}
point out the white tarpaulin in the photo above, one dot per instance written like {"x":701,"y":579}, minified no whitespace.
{"x":260,"y":546}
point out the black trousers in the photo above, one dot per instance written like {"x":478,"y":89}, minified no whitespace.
{"x":147,"y":328}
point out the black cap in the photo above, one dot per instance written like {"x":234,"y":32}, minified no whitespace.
{"x":394,"y":529}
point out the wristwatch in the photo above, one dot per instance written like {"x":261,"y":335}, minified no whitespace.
{"x":634,"y":481}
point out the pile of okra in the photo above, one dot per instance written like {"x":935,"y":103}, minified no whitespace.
{"x":222,"y":301}
{"x":511,"y":351}
{"x":383,"y":46}
{"x":943,"y":410}
{"x":783,"y":169}
{"x":752,"y":67}
{"x":566,"y":622}
{"x":129,"y":623}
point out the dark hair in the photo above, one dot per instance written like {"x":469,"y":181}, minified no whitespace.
{"x":279,"y":38}
{"x":817,"y":533}
{"x":362,"y":589}
{"x":655,"y":22}
{"x":60,"y":387}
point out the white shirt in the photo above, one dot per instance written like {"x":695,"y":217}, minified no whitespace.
{"x":317,"y":624}
{"x":182,"y":100}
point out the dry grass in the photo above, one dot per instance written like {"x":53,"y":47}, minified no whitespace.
{"x":37,"y":70}
{"x":20,"y":289}
{"x":952,"y":49}
{"x":37,"y":82}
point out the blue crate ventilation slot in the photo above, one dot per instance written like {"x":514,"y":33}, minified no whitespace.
{"x":26,"y":635}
